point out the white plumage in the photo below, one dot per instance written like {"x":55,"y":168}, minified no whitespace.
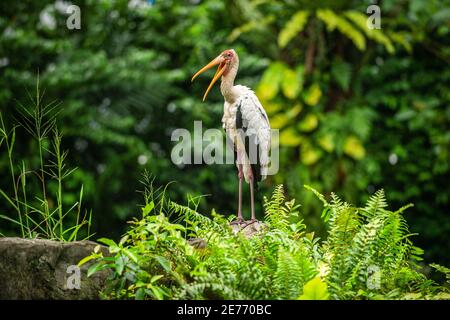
{"x":246,"y":124}
{"x":256,"y":122}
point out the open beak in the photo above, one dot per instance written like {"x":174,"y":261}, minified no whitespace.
{"x":219,"y":72}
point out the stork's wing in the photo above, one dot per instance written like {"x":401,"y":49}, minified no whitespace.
{"x":252,"y":119}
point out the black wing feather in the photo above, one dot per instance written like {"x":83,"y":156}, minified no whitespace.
{"x":250,"y":142}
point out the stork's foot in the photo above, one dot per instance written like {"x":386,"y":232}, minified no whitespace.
{"x":238,"y":221}
{"x":248,"y":228}
{"x":250,"y":222}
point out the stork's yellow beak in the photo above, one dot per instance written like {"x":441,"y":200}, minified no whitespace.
{"x":219,"y":72}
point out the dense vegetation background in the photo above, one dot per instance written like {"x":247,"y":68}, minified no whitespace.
{"x":358,"y":110}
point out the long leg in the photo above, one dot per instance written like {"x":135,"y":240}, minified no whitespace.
{"x":252,"y":196}
{"x":240,"y":219}
{"x":241,"y":177}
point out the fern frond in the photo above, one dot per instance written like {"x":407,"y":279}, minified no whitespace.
{"x":293,"y":271}
{"x":273,"y":206}
{"x":442,"y":269}
{"x":318,"y":195}
{"x":276,"y":214}
{"x":375,"y":203}
{"x":199,"y":222}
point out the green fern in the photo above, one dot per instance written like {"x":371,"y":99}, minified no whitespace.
{"x":375,"y":203}
{"x":156,"y":261}
{"x":444,"y":270}
{"x":370,"y":238}
{"x":280,"y":214}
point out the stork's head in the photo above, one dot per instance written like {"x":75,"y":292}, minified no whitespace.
{"x":226,"y":60}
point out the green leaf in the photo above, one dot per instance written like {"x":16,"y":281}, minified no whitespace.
{"x":294,"y":111}
{"x":334,"y":21}
{"x":402,"y":38}
{"x":342,"y":72}
{"x":140,"y":294}
{"x":354,"y":148}
{"x":119,"y":265}
{"x":308,"y":154}
{"x":279,"y":121}
{"x":250,"y":26}
{"x":108,"y":242}
{"x":326,"y":142}
{"x":156,"y":278}
{"x":328,"y":17}
{"x":313,"y":95}
{"x":131,"y":255}
{"x":290,"y":84}
{"x":295,"y":25}
{"x":326,"y":212}
{"x":270,"y":83}
{"x":8,"y":199}
{"x":157,"y":292}
{"x":123,"y":240}
{"x":164,"y":263}
{"x":96,"y":267}
{"x":353,"y":34}
{"x":87,"y":259}
{"x":2,"y":216}
{"x":377,"y":35}
{"x":272,"y":107}
{"x":289,"y":137}
{"x":148,"y":208}
{"x":309,"y":123}
{"x":13,"y":141}
{"x":113,"y":247}
{"x":315,"y":289}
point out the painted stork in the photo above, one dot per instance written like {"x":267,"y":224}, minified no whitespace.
{"x":246,"y":124}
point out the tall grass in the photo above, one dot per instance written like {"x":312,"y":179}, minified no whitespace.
{"x":36,"y":215}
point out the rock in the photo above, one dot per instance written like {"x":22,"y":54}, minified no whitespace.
{"x":45,"y":269}
{"x":248,"y":228}
{"x":197,"y":243}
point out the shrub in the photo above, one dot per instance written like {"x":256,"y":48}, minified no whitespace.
{"x":174,"y":252}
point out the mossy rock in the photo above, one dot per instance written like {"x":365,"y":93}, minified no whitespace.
{"x":40,"y":269}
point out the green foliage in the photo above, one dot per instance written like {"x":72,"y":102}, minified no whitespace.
{"x":358,"y":109}
{"x":371,"y":238}
{"x":295,"y":25}
{"x":442,"y":269}
{"x":315,"y":289}
{"x":173,"y":252}
{"x":122,"y":83}
{"x":334,"y":21}
{"x":370,"y":110}
{"x":156,"y":259}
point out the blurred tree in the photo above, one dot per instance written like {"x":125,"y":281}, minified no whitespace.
{"x":358,"y":108}
{"x":123,"y":83}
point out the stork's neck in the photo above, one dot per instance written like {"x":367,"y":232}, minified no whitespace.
{"x":227,"y":85}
